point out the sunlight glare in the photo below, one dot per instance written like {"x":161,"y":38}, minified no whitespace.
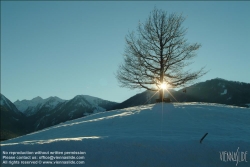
{"x":163,"y":86}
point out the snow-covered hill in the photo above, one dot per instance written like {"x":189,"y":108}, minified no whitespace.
{"x":151,"y":135}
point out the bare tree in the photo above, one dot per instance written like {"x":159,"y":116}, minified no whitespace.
{"x":158,"y":54}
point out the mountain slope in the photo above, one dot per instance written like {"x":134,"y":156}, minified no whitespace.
{"x":146,"y":97}
{"x":6,"y":103}
{"x":11,"y":120}
{"x":150,"y":135}
{"x":41,"y":113}
{"x":219,"y":91}
{"x":212,"y":91}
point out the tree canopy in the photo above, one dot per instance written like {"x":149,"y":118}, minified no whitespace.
{"x":158,"y":54}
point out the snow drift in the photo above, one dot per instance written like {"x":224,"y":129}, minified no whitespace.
{"x":150,"y":135}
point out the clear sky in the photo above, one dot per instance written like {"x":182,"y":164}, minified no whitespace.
{"x":68,"y":48}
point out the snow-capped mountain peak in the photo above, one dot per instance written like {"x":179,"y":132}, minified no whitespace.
{"x":29,"y":107}
{"x":37,"y":99}
{"x":52,"y":102}
{"x":56,"y":110}
{"x":53,"y":110}
{"x":89,"y":101}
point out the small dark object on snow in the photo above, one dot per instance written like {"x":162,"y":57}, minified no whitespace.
{"x":203,"y":137}
{"x":185,"y":90}
{"x":166,"y":100}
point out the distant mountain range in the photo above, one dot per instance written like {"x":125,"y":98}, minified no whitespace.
{"x":30,"y":107}
{"x":27,"y":116}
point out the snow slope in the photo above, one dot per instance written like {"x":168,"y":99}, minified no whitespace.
{"x":151,"y":135}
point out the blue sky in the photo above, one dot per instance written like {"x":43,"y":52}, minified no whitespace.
{"x":69,"y":48}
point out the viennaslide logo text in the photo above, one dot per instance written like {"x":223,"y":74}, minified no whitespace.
{"x":231,"y":156}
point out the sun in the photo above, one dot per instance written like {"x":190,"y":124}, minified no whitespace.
{"x":163,"y":86}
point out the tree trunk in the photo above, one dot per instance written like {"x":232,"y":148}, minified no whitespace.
{"x":161,"y":95}
{"x":161,"y":77}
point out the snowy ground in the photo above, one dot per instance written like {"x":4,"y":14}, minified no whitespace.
{"x":151,"y":135}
